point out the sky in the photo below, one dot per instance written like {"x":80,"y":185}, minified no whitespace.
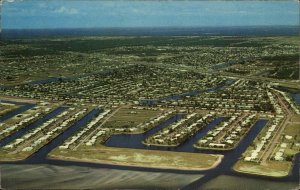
{"x":30,"y":14}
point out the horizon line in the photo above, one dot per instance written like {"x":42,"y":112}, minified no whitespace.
{"x":162,"y":27}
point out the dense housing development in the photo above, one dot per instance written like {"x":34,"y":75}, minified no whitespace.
{"x":183,"y":103}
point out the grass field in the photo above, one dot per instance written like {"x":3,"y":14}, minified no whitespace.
{"x":293,"y":144}
{"x":6,"y":156}
{"x":295,"y":119}
{"x":293,"y":129}
{"x":127,"y":117}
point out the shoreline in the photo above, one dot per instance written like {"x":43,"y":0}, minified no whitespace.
{"x":216,"y":163}
{"x":289,"y":172}
{"x":258,"y":173}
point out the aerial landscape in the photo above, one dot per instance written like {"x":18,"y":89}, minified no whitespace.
{"x":214,"y":107}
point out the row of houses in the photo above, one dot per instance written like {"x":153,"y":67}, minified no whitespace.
{"x":239,"y":96}
{"x":34,"y":132}
{"x":115,"y":87}
{"x":86,"y":130}
{"x":176,"y":133}
{"x":275,"y":103}
{"x":265,"y":140}
{"x":154,"y":121}
{"x":56,"y":130}
{"x":289,"y":101}
{"x":24,"y":119}
{"x":227,"y":135}
{"x":170,"y":133}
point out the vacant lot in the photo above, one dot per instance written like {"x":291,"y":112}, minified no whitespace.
{"x":272,"y":168}
{"x":126,"y":118}
{"x":138,"y":157}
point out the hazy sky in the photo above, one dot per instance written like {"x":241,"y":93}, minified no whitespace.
{"x":126,"y":13}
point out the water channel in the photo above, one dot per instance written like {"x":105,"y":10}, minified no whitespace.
{"x":31,"y":126}
{"x":23,"y":107}
{"x":134,"y":141}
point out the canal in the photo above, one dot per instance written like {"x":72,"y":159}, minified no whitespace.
{"x":31,"y":126}
{"x":295,"y":97}
{"x":24,"y":107}
{"x":135,"y":141}
{"x":41,"y":155}
{"x":176,"y":97}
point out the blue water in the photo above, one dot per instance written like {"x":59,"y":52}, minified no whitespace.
{"x":296,"y":97}
{"x":230,"y":157}
{"x":187,"y":146}
{"x":225,"y":168}
{"x":41,"y":154}
{"x":24,"y":107}
{"x":176,"y":97}
{"x":135,"y":140}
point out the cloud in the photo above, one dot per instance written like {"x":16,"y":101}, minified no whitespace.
{"x":64,"y":10}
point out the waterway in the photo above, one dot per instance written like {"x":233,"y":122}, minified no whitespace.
{"x":135,"y":140}
{"x":199,"y":178}
{"x":31,"y":126}
{"x":293,"y":93}
{"x":176,"y":97}
{"x":230,"y":157}
{"x":24,"y":107}
{"x":296,"y":97}
{"x":41,"y":155}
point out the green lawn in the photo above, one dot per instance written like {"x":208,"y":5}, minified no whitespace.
{"x":127,"y":117}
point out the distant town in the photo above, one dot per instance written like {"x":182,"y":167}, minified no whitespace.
{"x":200,"y":103}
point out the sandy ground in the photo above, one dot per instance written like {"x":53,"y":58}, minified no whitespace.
{"x":219,"y":160}
{"x":259,"y":170}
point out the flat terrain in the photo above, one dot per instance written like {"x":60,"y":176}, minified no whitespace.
{"x":126,"y":118}
{"x":114,"y":95}
{"x":109,"y":52}
{"x":66,"y":177}
{"x":142,"y":158}
{"x":271,"y":168}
